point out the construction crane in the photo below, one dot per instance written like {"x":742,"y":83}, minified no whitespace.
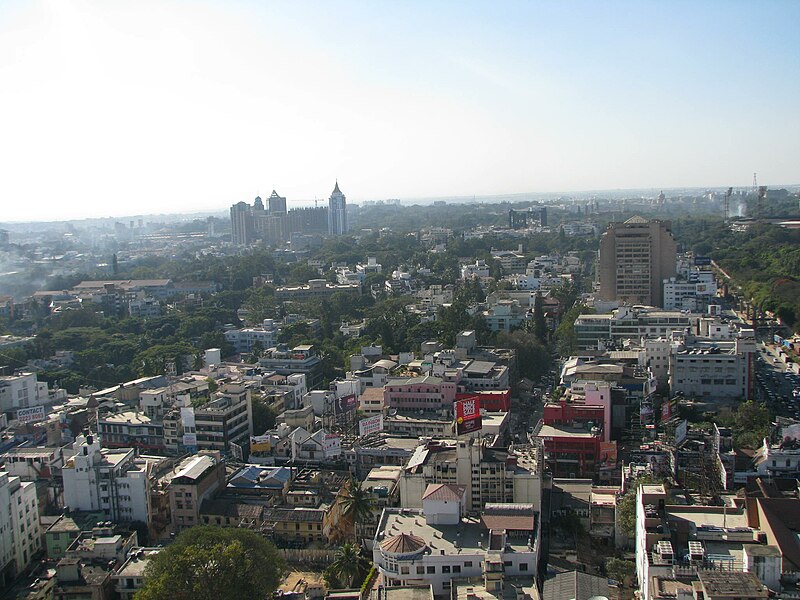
{"x":728,"y":205}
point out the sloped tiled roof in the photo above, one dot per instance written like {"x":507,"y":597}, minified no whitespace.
{"x":403,"y":543}
{"x":443,"y":491}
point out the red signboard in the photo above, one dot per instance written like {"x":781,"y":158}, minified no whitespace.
{"x":468,"y":415}
{"x":346,"y":404}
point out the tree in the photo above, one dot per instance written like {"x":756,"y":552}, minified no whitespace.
{"x":620,"y":570}
{"x":347,"y":563}
{"x":263,"y":416}
{"x":213,"y":563}
{"x":356,"y":504}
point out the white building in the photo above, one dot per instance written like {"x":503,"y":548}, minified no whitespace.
{"x":506,"y":315}
{"x":111,"y":481}
{"x":244,"y":339}
{"x":629,"y":323}
{"x":701,"y":367}
{"x":20,"y":537}
{"x":372,"y":266}
{"x":437,"y":545}
{"x":479,"y":270}
{"x":22,"y":390}
{"x":319,"y":446}
{"x":690,"y":294}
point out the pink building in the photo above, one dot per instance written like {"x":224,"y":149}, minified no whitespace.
{"x":419,"y":393}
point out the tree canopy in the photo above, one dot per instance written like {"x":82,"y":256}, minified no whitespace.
{"x":214,"y":563}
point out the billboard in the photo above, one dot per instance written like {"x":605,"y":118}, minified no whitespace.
{"x":701,"y":261}
{"x":31,"y":415}
{"x":666,"y":411}
{"x":345,"y":404}
{"x":190,"y":440}
{"x":260,"y":443}
{"x":681,"y":431}
{"x":187,"y":418}
{"x":608,"y":454}
{"x":468,"y":415}
{"x":370,"y":425}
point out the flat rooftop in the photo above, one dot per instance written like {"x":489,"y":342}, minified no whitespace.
{"x":714,"y":516}
{"x":560,"y":431}
{"x":469,"y":536}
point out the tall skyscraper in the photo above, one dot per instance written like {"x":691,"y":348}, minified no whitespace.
{"x":337,"y":212}
{"x":635,"y":258}
{"x":241,"y":223}
{"x":276,"y":203}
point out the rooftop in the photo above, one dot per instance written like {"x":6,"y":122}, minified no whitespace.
{"x":469,"y":536}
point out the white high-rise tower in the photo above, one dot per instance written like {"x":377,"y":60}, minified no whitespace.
{"x":337,"y":212}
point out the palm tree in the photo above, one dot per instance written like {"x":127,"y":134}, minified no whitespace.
{"x":356,"y":504}
{"x":347,"y":562}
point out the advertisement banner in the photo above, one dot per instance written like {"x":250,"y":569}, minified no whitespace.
{"x":31,"y":415}
{"x":260,"y":443}
{"x":190,"y":440}
{"x":666,"y":411}
{"x":681,"y":431}
{"x":468,"y":415}
{"x":345,"y":404}
{"x":370,"y":425}
{"x":187,"y":418}
{"x":608,"y":454}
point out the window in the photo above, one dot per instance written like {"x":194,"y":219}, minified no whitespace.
{"x":420,"y":570}
{"x":456,"y":568}
{"x":404,"y":570}
{"x":523,"y":566}
{"x":431,"y":570}
{"x":445,"y":568}
{"x":467,"y":563}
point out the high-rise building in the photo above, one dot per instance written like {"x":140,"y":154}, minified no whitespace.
{"x":635,"y":258}
{"x":276,"y":203}
{"x":337,"y":212}
{"x":241,"y":223}
{"x":275,"y":224}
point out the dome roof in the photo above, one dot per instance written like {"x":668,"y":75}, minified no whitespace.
{"x":403,"y":543}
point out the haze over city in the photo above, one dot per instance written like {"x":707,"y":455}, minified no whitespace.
{"x":128,"y":108}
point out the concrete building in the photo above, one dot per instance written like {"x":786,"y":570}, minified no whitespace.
{"x":510,"y":475}
{"x":226,"y":419}
{"x":715,"y":551}
{"x":705,"y":368}
{"x":419,"y":393}
{"x":131,"y":429}
{"x":22,"y":390}
{"x":635,"y":258}
{"x":197,"y":478}
{"x":337,"y":212}
{"x":111,"y":481}
{"x":629,"y":323}
{"x":20,"y":537}
{"x":437,"y":544}
{"x":243,"y":339}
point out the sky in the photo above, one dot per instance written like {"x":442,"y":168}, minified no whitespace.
{"x":112,"y":108}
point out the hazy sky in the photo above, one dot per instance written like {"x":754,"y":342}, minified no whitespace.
{"x":113,"y":108}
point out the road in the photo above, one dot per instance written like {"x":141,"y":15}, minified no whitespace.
{"x":776,"y":383}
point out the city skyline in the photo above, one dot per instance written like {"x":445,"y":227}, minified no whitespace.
{"x":112,"y":110}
